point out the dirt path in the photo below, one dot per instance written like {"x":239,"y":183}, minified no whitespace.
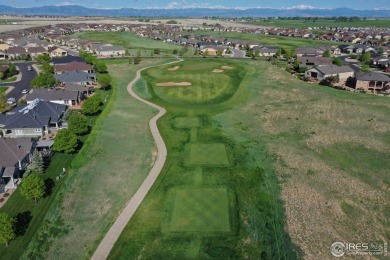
{"x":116,"y":229}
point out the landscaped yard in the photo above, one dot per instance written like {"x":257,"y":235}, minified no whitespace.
{"x":105,"y":173}
{"x":3,"y":89}
{"x":31,"y":215}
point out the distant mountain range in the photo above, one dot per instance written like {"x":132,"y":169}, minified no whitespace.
{"x":75,"y":10}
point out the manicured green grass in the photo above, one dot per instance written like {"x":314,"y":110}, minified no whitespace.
{"x":200,"y":210}
{"x":273,"y":40}
{"x":131,"y":41}
{"x":291,"y":23}
{"x":186,"y":122}
{"x":206,"y":86}
{"x":210,"y":154}
{"x":105,"y":174}
{"x":3,"y":89}
{"x":19,"y":205}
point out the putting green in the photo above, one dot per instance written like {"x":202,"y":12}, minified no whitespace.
{"x":200,"y":210}
{"x":186,"y":122}
{"x":206,"y":87}
{"x":206,"y":154}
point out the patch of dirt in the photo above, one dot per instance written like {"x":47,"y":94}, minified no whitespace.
{"x":174,"y":68}
{"x":173,"y":84}
{"x":226,"y":67}
{"x":154,"y":158}
{"x":218,"y":70}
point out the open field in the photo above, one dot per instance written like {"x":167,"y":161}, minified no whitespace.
{"x":30,"y":215}
{"x":200,"y":183}
{"x":205,"y":86}
{"x":106,"y":172}
{"x":273,"y":40}
{"x":131,"y":41}
{"x":327,"y":149}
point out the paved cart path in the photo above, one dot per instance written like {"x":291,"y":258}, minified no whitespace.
{"x":116,"y":229}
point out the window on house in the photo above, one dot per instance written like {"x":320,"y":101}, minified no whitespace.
{"x":38,"y":130}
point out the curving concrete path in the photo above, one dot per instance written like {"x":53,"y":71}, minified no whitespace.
{"x":116,"y":229}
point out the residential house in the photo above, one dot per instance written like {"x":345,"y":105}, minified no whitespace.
{"x":110,"y":50}
{"x":202,"y":45}
{"x":266,"y":51}
{"x":4,"y":46}
{"x":310,"y":51}
{"x":76,"y":77}
{"x":15,"y":52}
{"x":32,"y":120}
{"x":35,"y":51}
{"x":57,"y":52}
{"x":16,"y":154}
{"x":310,"y":61}
{"x":373,"y":81}
{"x":3,"y":55}
{"x":323,"y":72}
{"x":73,"y":66}
{"x":57,"y":96}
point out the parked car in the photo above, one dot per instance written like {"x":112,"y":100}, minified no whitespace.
{"x":25,"y":91}
{"x":11,"y":100}
{"x":386,"y":70}
{"x":29,"y":68}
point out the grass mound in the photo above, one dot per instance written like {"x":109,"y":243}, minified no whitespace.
{"x":200,"y":210}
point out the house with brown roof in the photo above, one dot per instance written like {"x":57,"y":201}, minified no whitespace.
{"x":323,"y":72}
{"x":310,"y":61}
{"x":57,"y":96}
{"x":373,"y":81}
{"x":73,"y":66}
{"x":15,"y":52}
{"x":57,"y":52}
{"x":16,"y":154}
{"x":35,"y":51}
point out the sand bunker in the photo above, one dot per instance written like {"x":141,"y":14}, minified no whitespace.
{"x":217,"y":70}
{"x":174,"y":68}
{"x":226,"y":67}
{"x":173,"y":84}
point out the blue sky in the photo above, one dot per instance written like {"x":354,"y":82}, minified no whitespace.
{"x":356,"y":4}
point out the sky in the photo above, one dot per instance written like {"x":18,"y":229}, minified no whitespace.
{"x":355,"y":4}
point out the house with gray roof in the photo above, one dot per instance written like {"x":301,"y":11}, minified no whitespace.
{"x":76,"y":77}
{"x":323,"y":72}
{"x":32,"y":120}
{"x":16,"y":154}
{"x":373,"y":81}
{"x":57,"y":96}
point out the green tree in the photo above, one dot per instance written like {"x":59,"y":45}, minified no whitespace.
{"x":175,"y":51}
{"x":78,"y":124}
{"x":219,"y":53}
{"x":100,"y":67}
{"x":91,"y":106}
{"x":278,"y":52}
{"x":47,"y":68}
{"x":65,"y":141}
{"x":7,"y":231}
{"x":11,"y":70}
{"x":43,"y":80}
{"x":38,"y":163}
{"x":337,"y":61}
{"x":365,"y":58}
{"x":127,"y":52}
{"x":42,"y":58}
{"x":104,"y":80}
{"x":32,"y":187}
{"x":326,"y":54}
{"x":156,"y":51}
{"x":1,"y":75}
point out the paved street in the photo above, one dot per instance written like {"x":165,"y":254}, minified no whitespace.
{"x":24,"y":83}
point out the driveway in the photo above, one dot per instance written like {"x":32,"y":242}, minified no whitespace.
{"x":24,"y":83}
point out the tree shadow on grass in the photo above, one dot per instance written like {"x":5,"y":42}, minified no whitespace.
{"x":49,"y":185}
{"x":22,"y":221}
